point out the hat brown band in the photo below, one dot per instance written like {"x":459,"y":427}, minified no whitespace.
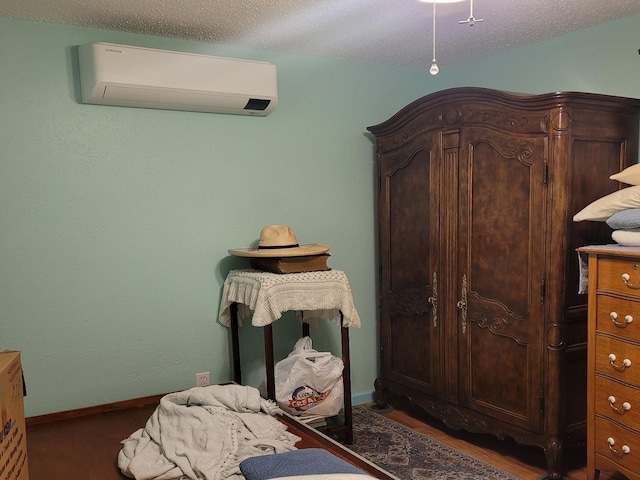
{"x":271,"y":247}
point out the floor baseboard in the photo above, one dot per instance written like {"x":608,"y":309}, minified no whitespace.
{"x":94,"y":410}
{"x":357,"y":399}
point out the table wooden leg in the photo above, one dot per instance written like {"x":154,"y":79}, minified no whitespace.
{"x":305,"y":328}
{"x":235,"y":344}
{"x":269,"y":362}
{"x":346,"y":381}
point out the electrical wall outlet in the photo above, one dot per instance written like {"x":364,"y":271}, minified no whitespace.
{"x":202,"y":379}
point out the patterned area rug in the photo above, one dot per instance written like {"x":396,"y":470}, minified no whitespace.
{"x":410,"y":455}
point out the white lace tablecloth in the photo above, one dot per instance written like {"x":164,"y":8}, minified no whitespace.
{"x":266,"y":296}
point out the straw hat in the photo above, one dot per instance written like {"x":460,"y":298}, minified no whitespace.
{"x":279,"y":241}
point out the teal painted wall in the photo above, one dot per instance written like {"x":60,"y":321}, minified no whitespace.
{"x":602,"y":59}
{"x":115,"y":222}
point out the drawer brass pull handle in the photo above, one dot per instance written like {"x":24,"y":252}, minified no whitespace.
{"x":626,"y":406}
{"x":628,"y":319}
{"x":625,"y":279}
{"x":625,"y":448}
{"x":626,"y":363}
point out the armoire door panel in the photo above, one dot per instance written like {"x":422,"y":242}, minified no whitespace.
{"x":409,"y":264}
{"x":501,"y":383}
{"x":408,"y":189}
{"x":501,"y":233}
{"x":501,"y":229}
{"x":499,"y":221}
{"x":409,"y":362}
{"x":502,"y":213}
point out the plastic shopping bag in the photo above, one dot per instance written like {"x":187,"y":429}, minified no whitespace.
{"x":309,"y":382}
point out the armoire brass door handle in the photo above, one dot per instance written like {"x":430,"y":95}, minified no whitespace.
{"x":433,"y":300}
{"x":462,"y":304}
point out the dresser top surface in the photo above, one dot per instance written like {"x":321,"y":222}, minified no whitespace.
{"x":630,"y":251}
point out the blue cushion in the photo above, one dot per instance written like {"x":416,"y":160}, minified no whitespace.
{"x":307,"y":461}
{"x":625,"y":219}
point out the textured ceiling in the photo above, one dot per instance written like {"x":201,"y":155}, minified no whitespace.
{"x":385,"y":31}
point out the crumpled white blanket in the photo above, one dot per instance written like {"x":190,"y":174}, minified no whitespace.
{"x":203,"y":434}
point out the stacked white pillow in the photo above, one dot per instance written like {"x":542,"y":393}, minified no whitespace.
{"x":620,"y":210}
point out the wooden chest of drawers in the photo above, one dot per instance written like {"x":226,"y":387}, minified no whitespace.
{"x":613,"y":384}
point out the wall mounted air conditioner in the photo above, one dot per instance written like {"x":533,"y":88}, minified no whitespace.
{"x":130,"y":76}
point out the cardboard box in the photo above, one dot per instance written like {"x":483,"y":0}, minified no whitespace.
{"x":13,"y":433}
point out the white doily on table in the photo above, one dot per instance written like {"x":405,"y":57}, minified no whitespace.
{"x":266,"y":296}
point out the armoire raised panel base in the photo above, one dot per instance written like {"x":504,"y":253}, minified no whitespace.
{"x":481,"y":323}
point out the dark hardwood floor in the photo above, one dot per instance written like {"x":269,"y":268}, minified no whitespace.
{"x":84,"y":447}
{"x":70,"y":447}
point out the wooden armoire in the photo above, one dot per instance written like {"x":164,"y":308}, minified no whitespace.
{"x":481,"y":323}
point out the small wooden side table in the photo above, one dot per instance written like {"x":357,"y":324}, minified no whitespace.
{"x":265,"y":296}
